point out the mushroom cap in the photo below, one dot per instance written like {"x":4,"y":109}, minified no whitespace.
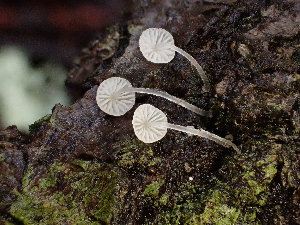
{"x":111,"y":99}
{"x":149,"y":123}
{"x":156,"y":45}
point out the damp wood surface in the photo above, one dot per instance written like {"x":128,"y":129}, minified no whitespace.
{"x":81,"y":166}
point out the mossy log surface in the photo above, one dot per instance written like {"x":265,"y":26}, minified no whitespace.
{"x":81,"y":166}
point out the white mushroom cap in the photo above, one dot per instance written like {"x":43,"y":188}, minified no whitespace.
{"x":111,"y":99}
{"x":156,"y":45}
{"x":149,"y":123}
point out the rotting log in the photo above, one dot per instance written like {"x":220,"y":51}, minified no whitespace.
{"x":80,"y":166}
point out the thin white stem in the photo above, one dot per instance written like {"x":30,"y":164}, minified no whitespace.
{"x":206,"y":85}
{"x":203,"y":133}
{"x":171,"y":98}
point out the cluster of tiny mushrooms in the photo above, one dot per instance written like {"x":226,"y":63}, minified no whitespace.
{"x":116,"y":96}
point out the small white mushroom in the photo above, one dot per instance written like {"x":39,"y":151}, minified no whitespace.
{"x":150,"y":125}
{"x":116,"y":96}
{"x":157,"y":46}
{"x":111,"y":99}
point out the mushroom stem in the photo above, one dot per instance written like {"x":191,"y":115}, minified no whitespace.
{"x":206,"y":85}
{"x":171,"y":98}
{"x":203,"y":133}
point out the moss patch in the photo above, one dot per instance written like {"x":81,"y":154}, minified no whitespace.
{"x":80,"y":192}
{"x":33,"y":127}
{"x":237,"y":200}
{"x":2,"y":157}
{"x":153,"y":188}
{"x":136,"y":154}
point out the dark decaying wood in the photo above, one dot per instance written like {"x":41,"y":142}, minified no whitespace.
{"x":80,"y":166}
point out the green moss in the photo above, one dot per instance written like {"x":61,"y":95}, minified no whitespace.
{"x":185,"y":213}
{"x":2,"y":157}
{"x":234,"y":201}
{"x":8,"y":223}
{"x":134,"y":153}
{"x":219,"y":214}
{"x":33,"y":127}
{"x":153,"y":188}
{"x":260,"y":163}
{"x":127,"y":160}
{"x":164,"y":199}
{"x":26,"y":177}
{"x":50,"y":211}
{"x":154,"y":161}
{"x":68,"y":193}
{"x":49,"y":181}
{"x":270,"y":171}
{"x":230,"y":206}
{"x":250,"y":217}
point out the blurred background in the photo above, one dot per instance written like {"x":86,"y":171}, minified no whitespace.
{"x":39,"y":40}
